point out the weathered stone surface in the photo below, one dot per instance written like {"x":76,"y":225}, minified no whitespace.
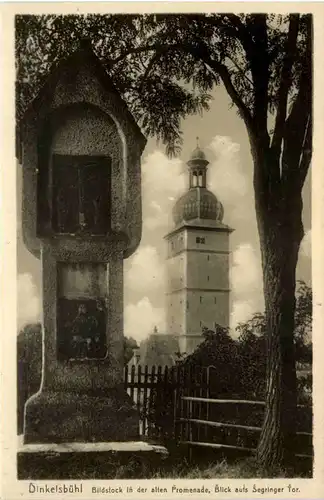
{"x":78,"y":130}
{"x":79,"y":111}
{"x":90,"y":461}
{"x":58,"y":417}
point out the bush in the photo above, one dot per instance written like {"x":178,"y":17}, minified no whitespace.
{"x":239,"y":373}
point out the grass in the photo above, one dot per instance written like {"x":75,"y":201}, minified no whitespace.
{"x":101,"y":468}
{"x":137,"y":466}
{"x":246,"y":468}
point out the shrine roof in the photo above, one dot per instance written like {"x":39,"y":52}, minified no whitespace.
{"x":80,"y":58}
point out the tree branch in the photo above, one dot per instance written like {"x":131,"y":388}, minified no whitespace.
{"x":240,"y":70}
{"x":240,"y":32}
{"x":203,"y":55}
{"x":298,"y":126}
{"x":259,"y":62}
{"x":158,"y":47}
{"x":223,"y":72}
{"x":148,"y":69}
{"x":307,"y":151}
{"x":285,"y":83}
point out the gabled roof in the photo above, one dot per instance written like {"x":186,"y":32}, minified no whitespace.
{"x":83,"y":55}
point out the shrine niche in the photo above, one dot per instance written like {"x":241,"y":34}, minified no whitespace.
{"x":81,"y":195}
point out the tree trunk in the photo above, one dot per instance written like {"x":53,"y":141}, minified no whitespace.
{"x":281,"y":231}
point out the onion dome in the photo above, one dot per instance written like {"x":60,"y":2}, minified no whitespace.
{"x":198,"y":202}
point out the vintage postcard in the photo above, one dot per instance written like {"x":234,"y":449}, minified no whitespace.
{"x":162,"y":204}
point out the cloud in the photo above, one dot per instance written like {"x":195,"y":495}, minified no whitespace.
{"x":29,"y":307}
{"x":229,"y":182}
{"x":246,"y":273}
{"x":145,"y":271}
{"x":242,"y":311}
{"x":163,"y":181}
{"x":141,"y":318}
{"x":306,"y":245}
{"x":246,"y":284}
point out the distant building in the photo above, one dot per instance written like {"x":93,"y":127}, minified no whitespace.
{"x":197,"y":261}
{"x":157,"y":349}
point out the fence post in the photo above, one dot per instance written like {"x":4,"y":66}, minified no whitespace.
{"x":146,"y":401}
{"x":132,"y":382}
{"x":139,"y":394}
{"x":126,"y":377}
{"x":177,"y":403}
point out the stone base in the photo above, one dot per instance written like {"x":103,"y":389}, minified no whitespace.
{"x":78,"y":461}
{"x":57,"y":417}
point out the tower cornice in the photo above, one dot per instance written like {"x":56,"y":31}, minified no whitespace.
{"x":216,"y":227}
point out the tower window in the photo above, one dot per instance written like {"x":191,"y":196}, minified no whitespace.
{"x":200,"y":240}
{"x":200,"y":299}
{"x":207,"y":257}
{"x":207,"y":278}
{"x":187,"y":305}
{"x":214,"y":300}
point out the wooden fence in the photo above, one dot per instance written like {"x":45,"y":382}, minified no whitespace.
{"x":187,"y":406}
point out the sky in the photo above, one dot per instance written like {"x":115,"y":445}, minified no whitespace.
{"x":223,"y":137}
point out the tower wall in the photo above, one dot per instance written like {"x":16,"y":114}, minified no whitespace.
{"x":176,"y":285}
{"x":176,"y":312}
{"x":204,"y":309}
{"x":207,"y":271}
{"x":198,"y":283}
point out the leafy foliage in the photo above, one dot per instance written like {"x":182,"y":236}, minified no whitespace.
{"x":241,"y":364}
{"x":166,"y":65}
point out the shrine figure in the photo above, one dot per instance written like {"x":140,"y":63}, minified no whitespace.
{"x":98,"y":348}
{"x":84,"y":329}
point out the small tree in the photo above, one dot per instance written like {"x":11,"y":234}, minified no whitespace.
{"x":130,"y":345}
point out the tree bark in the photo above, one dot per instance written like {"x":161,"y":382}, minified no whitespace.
{"x":281,"y":231}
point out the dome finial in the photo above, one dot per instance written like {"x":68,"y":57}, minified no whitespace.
{"x":197,"y":139}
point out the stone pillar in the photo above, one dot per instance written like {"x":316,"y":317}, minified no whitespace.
{"x":81,"y":152}
{"x":81,"y":399}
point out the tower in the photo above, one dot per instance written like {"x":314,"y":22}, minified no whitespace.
{"x":197,"y":260}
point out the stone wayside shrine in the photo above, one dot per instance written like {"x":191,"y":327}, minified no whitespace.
{"x":80,"y":151}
